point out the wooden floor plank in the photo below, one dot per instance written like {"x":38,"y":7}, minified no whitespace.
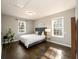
{"x":44,"y":50}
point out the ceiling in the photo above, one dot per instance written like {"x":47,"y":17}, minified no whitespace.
{"x":34,"y":9}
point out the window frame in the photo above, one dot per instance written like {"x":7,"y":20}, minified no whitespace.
{"x":24,"y":26}
{"x":54,"y":20}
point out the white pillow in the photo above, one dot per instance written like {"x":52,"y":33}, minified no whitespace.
{"x":42,"y":33}
{"x":36,"y":32}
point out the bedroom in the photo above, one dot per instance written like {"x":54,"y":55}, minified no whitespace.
{"x":37,"y":29}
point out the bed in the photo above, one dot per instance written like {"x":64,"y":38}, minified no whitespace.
{"x":31,"y":39}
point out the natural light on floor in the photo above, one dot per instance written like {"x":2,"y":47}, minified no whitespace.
{"x":52,"y":53}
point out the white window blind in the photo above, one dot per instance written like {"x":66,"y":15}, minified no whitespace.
{"x":21,"y":26}
{"x":58,"y":27}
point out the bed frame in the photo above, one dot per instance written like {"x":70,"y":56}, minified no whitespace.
{"x":42,"y":29}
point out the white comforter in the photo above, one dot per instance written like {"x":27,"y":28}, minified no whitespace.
{"x":31,"y":38}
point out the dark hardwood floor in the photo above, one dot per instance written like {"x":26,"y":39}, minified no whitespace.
{"x":44,"y":50}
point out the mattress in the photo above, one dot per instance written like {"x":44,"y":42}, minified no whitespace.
{"x":31,"y":38}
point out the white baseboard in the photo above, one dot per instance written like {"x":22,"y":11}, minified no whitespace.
{"x":60,"y":43}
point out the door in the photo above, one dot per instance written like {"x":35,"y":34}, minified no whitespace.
{"x":73,"y":37}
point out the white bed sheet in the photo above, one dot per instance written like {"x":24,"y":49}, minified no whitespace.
{"x":31,"y":38}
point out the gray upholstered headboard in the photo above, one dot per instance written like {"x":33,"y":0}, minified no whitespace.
{"x":42,"y":29}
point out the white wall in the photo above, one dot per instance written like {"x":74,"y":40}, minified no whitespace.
{"x":11,"y":22}
{"x":29,"y":27}
{"x":76,"y":10}
{"x":46,"y":22}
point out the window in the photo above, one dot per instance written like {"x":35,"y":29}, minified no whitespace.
{"x":21,"y":26}
{"x":58,"y":27}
